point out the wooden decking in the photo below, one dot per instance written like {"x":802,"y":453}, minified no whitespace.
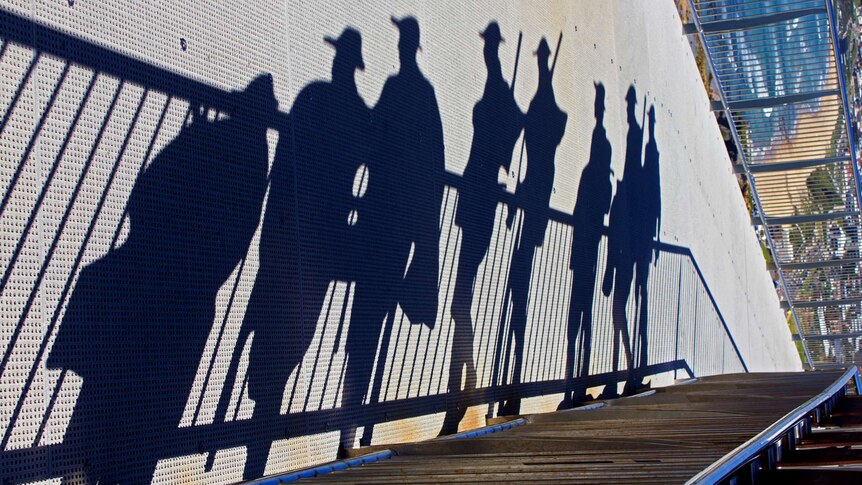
{"x":663,"y":436}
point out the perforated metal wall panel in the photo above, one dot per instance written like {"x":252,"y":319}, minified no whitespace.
{"x":237,"y":236}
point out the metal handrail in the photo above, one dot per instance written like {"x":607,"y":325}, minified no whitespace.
{"x":750,"y":450}
{"x":824,"y":137}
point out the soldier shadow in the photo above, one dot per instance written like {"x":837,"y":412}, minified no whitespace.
{"x":633,"y":230}
{"x":305,"y":241}
{"x":355,"y":196}
{"x":401,"y":232}
{"x":497,"y":125}
{"x":588,"y":220}
{"x":544,"y":127}
{"x":139,"y":316}
{"x":647,"y":240}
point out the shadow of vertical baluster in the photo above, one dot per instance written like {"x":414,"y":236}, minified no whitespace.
{"x":78,"y":258}
{"x":330,"y":296}
{"x":694,"y":325}
{"x":495,"y":353}
{"x":544,"y":306}
{"x":55,"y":391}
{"x":554,"y":313}
{"x":50,"y":253}
{"x":416,"y":352}
{"x":679,"y":323}
{"x":337,"y":343}
{"x":443,"y":302}
{"x":384,"y":352}
{"x":678,"y":314}
{"x":690,"y":299}
{"x":493,"y":259}
{"x":38,"y":129}
{"x":300,"y":368}
{"x":240,"y":397}
{"x":457,"y":236}
{"x":339,"y":386}
{"x":562,"y":315}
{"x":17,"y":250}
{"x":395,"y":348}
{"x":673,"y":332}
{"x":217,"y":346}
{"x":561,"y":323}
{"x":536,"y":300}
{"x":3,"y":52}
{"x":144,"y":161}
{"x":546,"y":299}
{"x":673,"y":325}
{"x":13,"y":103}
{"x":382,"y":363}
{"x":705,"y":352}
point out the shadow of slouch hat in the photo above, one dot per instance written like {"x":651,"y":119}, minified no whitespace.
{"x":348,"y":45}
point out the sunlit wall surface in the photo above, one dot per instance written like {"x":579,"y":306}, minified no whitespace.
{"x":238,"y":237}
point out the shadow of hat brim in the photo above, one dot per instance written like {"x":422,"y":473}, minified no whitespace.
{"x":499,"y":39}
{"x":334,"y":43}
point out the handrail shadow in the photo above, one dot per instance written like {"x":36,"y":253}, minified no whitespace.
{"x":198,"y":99}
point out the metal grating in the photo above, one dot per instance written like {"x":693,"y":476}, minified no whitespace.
{"x":781,"y":81}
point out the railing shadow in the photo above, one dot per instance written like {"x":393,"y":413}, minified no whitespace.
{"x":81,"y":212}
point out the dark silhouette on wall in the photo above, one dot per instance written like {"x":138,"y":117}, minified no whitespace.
{"x":619,"y":270}
{"x":139,"y":316}
{"x":497,"y":124}
{"x":544,"y":126}
{"x":593,"y":203}
{"x":646,"y":231}
{"x":306,"y":240}
{"x":400,"y":209}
